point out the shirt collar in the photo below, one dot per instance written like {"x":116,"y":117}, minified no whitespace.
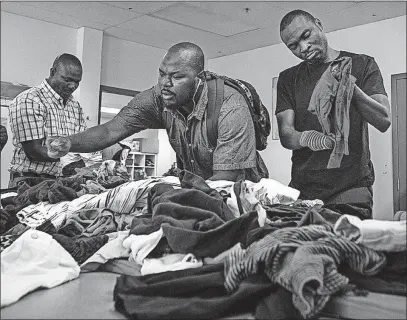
{"x":200,"y":107}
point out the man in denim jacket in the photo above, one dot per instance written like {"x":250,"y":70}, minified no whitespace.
{"x":178,"y":103}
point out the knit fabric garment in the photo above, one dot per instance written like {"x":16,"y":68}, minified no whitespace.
{"x":7,"y":220}
{"x":113,"y":249}
{"x":196,"y":293}
{"x":52,"y":191}
{"x":304,"y":261}
{"x":6,"y":241}
{"x":89,"y":222}
{"x":330,"y":101}
{"x":83,"y":248}
{"x":12,"y":235}
{"x":315,"y":140}
{"x":124,"y":199}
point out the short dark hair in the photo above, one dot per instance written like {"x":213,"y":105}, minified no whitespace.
{"x":65,"y":59}
{"x":197,"y":59}
{"x":289,"y":17}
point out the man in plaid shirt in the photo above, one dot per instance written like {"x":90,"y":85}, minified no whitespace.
{"x":45,"y":110}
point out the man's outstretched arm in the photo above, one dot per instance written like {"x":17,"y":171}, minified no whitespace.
{"x":94,"y":139}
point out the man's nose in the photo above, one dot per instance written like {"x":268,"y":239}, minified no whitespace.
{"x":73,"y":86}
{"x":304,"y":47}
{"x":166,"y":81}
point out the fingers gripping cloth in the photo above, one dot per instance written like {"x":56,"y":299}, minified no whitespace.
{"x":316,"y":141}
{"x":57,"y":146}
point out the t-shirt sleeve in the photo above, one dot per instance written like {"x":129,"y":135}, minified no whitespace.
{"x":142,"y":112}
{"x":285,"y":98}
{"x":236,"y":146}
{"x":372,"y":82}
{"x":27,"y":118}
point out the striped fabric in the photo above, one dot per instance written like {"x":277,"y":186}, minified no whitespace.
{"x":127,"y":198}
{"x":35,"y":114}
{"x":303,"y":260}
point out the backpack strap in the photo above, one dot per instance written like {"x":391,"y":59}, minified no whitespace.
{"x":215,"y":100}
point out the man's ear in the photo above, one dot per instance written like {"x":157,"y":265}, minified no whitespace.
{"x":200,"y":78}
{"x":319,"y":24}
{"x":52,"y":71}
{"x":198,"y":82}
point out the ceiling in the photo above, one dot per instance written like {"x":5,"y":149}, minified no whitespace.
{"x":219,"y":27}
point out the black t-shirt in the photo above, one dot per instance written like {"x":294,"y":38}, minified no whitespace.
{"x":309,"y":172}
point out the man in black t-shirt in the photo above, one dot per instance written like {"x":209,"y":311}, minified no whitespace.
{"x":301,"y":131}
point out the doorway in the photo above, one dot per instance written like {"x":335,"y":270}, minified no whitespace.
{"x":399,"y":120}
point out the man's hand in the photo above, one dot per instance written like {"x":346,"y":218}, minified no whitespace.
{"x":336,"y":71}
{"x":57,"y":147}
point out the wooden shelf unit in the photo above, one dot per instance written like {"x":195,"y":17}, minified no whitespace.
{"x":145,"y":162}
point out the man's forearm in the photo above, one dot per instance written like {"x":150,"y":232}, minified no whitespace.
{"x":39,"y":154}
{"x":374,"y":112}
{"x":290,"y":139}
{"x":91,"y":140}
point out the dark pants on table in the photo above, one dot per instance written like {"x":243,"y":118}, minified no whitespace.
{"x":355,"y":196}
{"x":356,"y":201}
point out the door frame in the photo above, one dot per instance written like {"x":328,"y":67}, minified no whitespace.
{"x":115,"y":90}
{"x":395,"y":141}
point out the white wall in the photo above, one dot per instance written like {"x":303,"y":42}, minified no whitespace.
{"x":89,"y":52}
{"x":384,"y":40}
{"x":129,"y":65}
{"x":28,"y":49}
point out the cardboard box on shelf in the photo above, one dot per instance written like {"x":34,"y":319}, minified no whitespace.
{"x":147,"y":145}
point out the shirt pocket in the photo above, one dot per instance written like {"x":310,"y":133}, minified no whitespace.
{"x":203,"y":156}
{"x":175,"y":144}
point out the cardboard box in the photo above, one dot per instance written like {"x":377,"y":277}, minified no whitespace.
{"x":148,"y":145}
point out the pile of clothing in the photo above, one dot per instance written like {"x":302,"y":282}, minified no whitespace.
{"x":186,"y":247}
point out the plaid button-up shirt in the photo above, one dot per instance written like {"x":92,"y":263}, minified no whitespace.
{"x":236,"y":146}
{"x":35,"y":114}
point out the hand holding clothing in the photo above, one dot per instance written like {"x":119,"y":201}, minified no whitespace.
{"x":57,"y":147}
{"x":336,"y":71}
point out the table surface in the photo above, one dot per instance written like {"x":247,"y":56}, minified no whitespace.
{"x":91,"y":297}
